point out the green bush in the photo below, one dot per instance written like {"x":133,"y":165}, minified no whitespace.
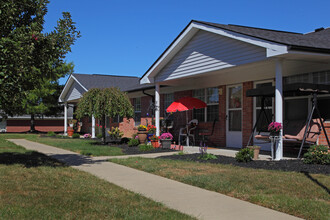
{"x":99,"y":136}
{"x":125,"y":140}
{"x":75,"y":135}
{"x":207,"y":156}
{"x":51,"y":134}
{"x":317,"y":154}
{"x":244,"y":155}
{"x":133,"y":142}
{"x":145,"y":147}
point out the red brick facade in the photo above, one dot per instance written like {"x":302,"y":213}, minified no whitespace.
{"x":43,"y":125}
{"x":247,"y":121}
{"x":322,"y":139}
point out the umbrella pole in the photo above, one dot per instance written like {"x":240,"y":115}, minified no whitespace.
{"x":187,"y":140}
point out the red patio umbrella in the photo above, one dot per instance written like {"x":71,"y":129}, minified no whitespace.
{"x":185,"y":104}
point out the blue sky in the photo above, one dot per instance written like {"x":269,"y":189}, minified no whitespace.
{"x":125,"y":37}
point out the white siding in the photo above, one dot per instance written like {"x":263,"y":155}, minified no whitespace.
{"x":75,"y":92}
{"x":207,"y":52}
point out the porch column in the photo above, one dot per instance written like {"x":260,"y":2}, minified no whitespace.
{"x":65,"y":118}
{"x":93,"y":126}
{"x":157,"y":108}
{"x":279,"y":106}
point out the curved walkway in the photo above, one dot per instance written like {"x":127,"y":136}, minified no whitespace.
{"x":188,"y":199}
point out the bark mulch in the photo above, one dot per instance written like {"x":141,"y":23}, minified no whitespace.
{"x":135,"y":150}
{"x":283,"y":165}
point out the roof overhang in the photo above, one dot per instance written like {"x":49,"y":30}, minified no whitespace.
{"x":272,"y":48}
{"x":67,"y":86}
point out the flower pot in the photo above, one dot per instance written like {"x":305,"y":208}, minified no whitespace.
{"x":70,"y":131}
{"x":142,"y":136}
{"x":166,"y":143}
{"x":155,"y":144}
{"x":256,"y":150}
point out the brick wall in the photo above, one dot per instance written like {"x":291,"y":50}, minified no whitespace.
{"x":247,"y":121}
{"x":43,"y":125}
{"x":322,"y":139}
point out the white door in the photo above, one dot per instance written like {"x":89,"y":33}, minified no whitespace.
{"x":234,"y":116}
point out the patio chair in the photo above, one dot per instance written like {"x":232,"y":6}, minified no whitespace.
{"x":187,"y":132}
{"x":207,"y":133}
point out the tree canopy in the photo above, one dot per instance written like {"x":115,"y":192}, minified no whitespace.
{"x":102,"y":103}
{"x":28,"y":55}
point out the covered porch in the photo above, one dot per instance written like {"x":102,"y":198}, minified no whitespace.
{"x":219,"y":66}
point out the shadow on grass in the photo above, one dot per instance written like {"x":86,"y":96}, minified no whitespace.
{"x":29,"y":159}
{"x":317,"y":182}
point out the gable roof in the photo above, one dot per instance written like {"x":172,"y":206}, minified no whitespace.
{"x":89,"y":81}
{"x":314,"y":40}
{"x":276,"y":42}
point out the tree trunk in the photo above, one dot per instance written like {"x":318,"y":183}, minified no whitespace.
{"x":103,"y":129}
{"x":32,"y":124}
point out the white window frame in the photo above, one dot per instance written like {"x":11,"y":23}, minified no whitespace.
{"x":137,"y":111}
{"x":208,"y":104}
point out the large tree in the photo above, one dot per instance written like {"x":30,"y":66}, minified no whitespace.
{"x":102,"y":103}
{"x":28,"y":56}
{"x":43,"y":101}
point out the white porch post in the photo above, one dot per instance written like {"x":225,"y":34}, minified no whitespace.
{"x":93,"y":126}
{"x":279,"y":106}
{"x":65,"y":118}
{"x":157,"y":108}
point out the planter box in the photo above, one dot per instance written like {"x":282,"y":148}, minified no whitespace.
{"x":166,"y":143}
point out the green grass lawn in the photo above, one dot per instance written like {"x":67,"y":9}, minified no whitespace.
{"x":49,"y":190}
{"x":290,"y":192}
{"x":82,"y":146}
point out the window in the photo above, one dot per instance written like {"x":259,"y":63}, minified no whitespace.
{"x":117,"y":119}
{"x":296,"y":109}
{"x":211,"y":97}
{"x":324,"y":106}
{"x":137,"y":111}
{"x":262,"y":125}
{"x":168,"y":100}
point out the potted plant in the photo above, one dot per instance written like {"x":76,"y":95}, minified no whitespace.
{"x":256,"y":151}
{"x":151,"y":131}
{"x":274,"y":128}
{"x":70,"y":131}
{"x":166,"y":139}
{"x":154,"y":141}
{"x":142,"y":133}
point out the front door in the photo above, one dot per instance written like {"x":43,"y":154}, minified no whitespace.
{"x":234,"y":116}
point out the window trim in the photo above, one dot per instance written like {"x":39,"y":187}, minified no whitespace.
{"x":207,"y":104}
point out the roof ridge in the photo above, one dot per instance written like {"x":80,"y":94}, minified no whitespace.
{"x":266,"y":29}
{"x":104,"y":75}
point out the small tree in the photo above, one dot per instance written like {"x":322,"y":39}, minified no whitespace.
{"x":102,"y":103}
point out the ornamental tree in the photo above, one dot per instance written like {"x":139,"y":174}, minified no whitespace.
{"x":28,"y":55}
{"x":102,"y":103}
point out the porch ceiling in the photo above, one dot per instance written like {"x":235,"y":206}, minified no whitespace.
{"x":293,"y":64}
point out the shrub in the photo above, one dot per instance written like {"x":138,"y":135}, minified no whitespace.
{"x":99,"y":136}
{"x":115,"y":133}
{"x":244,"y":155}
{"x":207,"y":156}
{"x":125,"y":140}
{"x":145,"y":147}
{"x":133,"y":142}
{"x":51,"y":134}
{"x":317,"y":154}
{"x":75,"y":135}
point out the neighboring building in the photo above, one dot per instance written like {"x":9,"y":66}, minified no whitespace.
{"x":218,"y":63}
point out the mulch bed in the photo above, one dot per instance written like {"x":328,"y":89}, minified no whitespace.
{"x":283,"y":165}
{"x":135,"y":150}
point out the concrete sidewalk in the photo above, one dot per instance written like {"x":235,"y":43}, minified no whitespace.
{"x":191,"y":200}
